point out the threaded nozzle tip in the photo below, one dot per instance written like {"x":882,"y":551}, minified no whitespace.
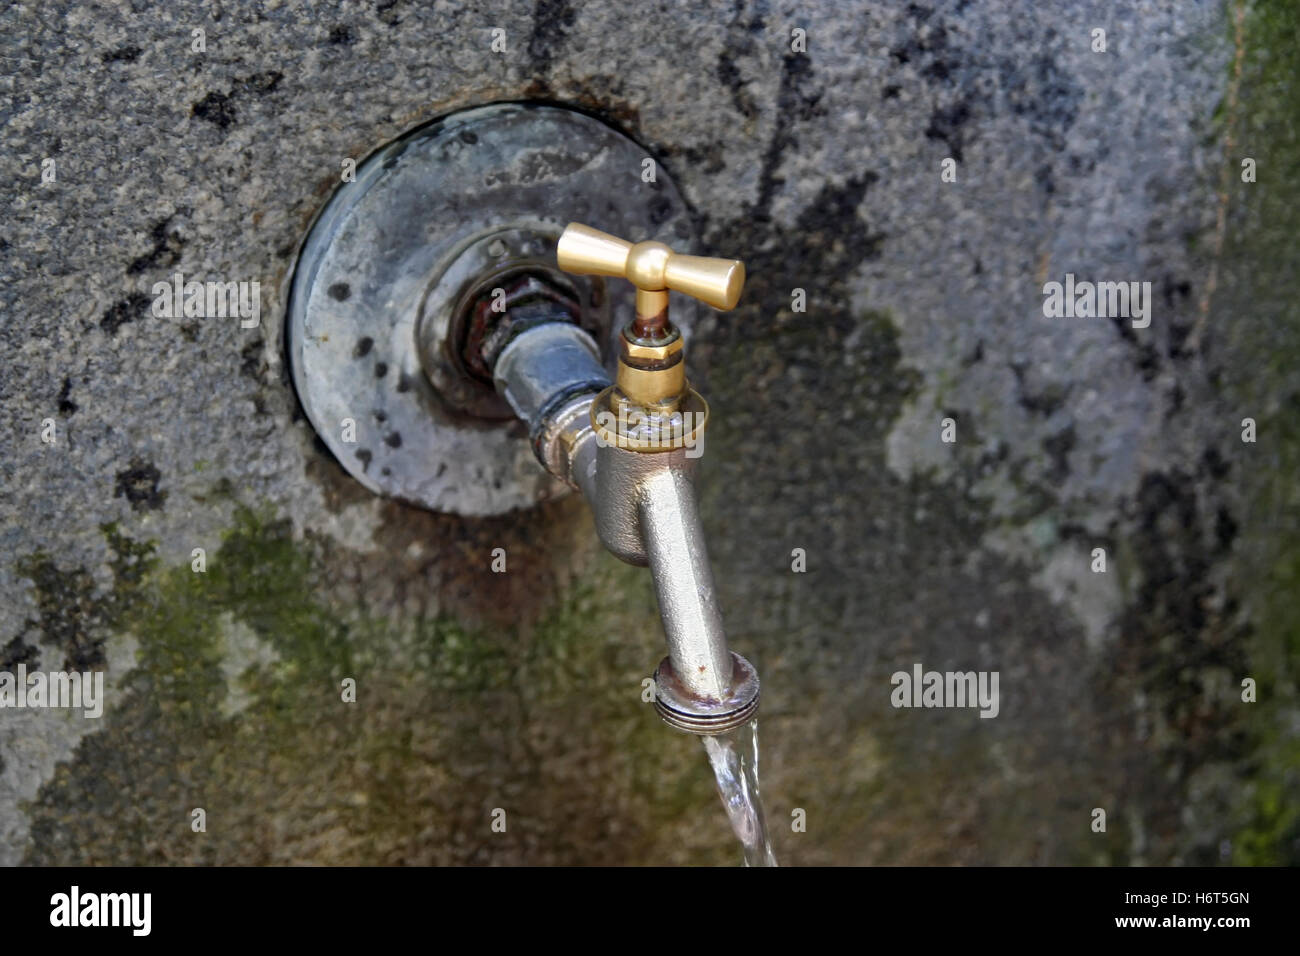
{"x":683,"y":711}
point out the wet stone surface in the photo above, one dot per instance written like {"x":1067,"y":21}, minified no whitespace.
{"x":522,"y":690}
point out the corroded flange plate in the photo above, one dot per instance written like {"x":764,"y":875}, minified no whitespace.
{"x":395,"y":240}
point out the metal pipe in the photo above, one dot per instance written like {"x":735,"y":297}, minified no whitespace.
{"x":679,"y":562}
{"x":546,"y":367}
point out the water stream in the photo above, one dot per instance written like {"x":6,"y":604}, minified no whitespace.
{"x":734,"y":758}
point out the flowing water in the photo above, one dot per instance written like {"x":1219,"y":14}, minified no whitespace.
{"x":734,"y":758}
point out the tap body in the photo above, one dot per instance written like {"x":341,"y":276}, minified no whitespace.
{"x":642,"y":496}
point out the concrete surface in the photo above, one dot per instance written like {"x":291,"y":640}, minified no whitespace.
{"x":522,"y":691}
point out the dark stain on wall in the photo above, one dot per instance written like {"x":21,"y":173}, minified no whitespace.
{"x":139,"y":485}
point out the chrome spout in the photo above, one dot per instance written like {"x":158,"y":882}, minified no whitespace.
{"x":679,"y":562}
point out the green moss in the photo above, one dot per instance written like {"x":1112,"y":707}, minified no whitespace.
{"x":235,"y":706}
{"x":1258,"y":311}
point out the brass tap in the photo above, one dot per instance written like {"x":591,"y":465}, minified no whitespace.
{"x":652,"y":403}
{"x":638,"y":471}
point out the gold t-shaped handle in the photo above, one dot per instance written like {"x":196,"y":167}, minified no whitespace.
{"x":652,"y":267}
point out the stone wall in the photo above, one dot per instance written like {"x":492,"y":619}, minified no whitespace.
{"x":822,"y":168}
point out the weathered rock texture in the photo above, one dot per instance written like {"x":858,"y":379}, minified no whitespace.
{"x":521,"y":691}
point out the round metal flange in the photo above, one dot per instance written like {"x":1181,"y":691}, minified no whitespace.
{"x":382,"y":297}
